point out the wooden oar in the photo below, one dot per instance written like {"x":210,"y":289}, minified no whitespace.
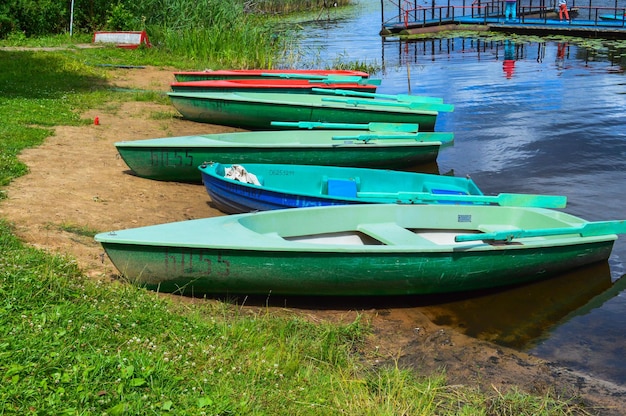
{"x":409,"y":105}
{"x":367,"y":137}
{"x":442,"y":137}
{"x":589,"y":229}
{"x":510,"y":200}
{"x":344,"y":80}
{"x":339,"y":81}
{"x":399,"y":97}
{"x":391,"y":127}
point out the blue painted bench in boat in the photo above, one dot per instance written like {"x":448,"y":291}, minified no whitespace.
{"x":347,"y":188}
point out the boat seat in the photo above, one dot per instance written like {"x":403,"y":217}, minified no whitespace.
{"x":347,"y":188}
{"x":392,"y":234}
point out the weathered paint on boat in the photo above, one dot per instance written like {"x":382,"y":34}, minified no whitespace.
{"x":178,"y":158}
{"x":361,"y":250}
{"x":256,"y":111}
{"x":298,"y":186}
{"x":263,"y":73}
{"x":294,"y":86}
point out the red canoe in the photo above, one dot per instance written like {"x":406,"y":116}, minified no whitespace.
{"x":265,"y":73}
{"x":272,"y":85}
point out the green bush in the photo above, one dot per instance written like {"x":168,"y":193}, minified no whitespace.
{"x":38,"y":17}
{"x":7,"y":23}
{"x":120,"y":18}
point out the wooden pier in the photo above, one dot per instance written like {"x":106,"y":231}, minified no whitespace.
{"x":540,"y":18}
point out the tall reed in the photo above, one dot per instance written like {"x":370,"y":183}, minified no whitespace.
{"x":210,"y":32}
{"x":293,"y":6}
{"x":241,"y":47}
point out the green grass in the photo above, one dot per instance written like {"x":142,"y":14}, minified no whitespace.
{"x":71,"y":345}
{"x":79,"y":346}
{"x":79,"y":230}
{"x":41,"y":90}
{"x":29,"y":107}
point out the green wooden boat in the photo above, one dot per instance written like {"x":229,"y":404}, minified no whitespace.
{"x":256,"y":111}
{"x":367,"y":145}
{"x":253,"y":187}
{"x":266,"y":73}
{"x":360,"y":250}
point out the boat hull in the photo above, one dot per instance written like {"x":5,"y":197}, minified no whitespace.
{"x":260,"y":254}
{"x":178,"y":158}
{"x":206,"y":270}
{"x":257,"y":111}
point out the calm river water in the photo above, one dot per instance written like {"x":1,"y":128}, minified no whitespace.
{"x":531,"y":115}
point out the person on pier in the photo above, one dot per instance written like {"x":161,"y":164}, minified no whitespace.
{"x":563,"y":10}
{"x":510,"y":9}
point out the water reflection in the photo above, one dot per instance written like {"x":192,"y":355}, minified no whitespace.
{"x":560,"y":54}
{"x":399,"y":52}
{"x":522,"y":316}
{"x":508,"y":64}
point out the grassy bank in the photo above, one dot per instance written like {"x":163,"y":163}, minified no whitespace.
{"x":72,"y":345}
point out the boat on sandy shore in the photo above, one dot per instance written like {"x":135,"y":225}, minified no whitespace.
{"x":256,"y":111}
{"x":252,"y":187}
{"x":365,"y":145}
{"x":360,"y":250}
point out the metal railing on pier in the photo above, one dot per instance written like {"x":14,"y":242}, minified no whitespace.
{"x":408,"y":14}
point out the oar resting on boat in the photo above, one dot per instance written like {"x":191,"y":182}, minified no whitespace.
{"x":504,"y":199}
{"x":399,"y":97}
{"x":590,"y":229}
{"x":344,"y":79}
{"x":442,"y":137}
{"x":409,"y":105}
{"x":386,"y":127}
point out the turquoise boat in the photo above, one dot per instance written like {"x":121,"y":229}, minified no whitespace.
{"x":253,"y":187}
{"x":359,"y":250}
{"x":256,"y":111}
{"x":267,"y":73}
{"x":363,"y":145}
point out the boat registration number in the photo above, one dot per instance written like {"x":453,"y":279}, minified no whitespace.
{"x":194,"y":262}
{"x":281,"y":172}
{"x":171,"y":158}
